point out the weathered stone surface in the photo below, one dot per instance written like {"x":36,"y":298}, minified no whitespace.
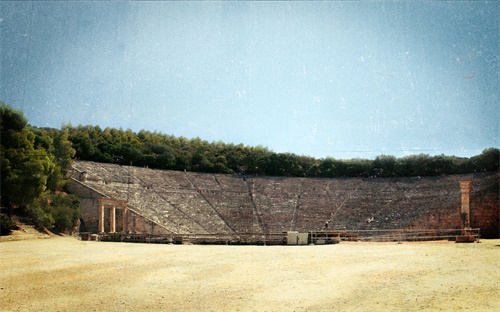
{"x":187,"y":202}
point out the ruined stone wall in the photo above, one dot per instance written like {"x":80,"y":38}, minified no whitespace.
{"x":89,"y":199}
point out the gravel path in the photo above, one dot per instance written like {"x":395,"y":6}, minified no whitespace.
{"x":65,"y":274}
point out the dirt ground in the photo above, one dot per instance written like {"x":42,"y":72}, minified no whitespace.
{"x":65,"y":274}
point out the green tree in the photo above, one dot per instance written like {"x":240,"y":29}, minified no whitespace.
{"x":359,"y":167}
{"x":488,"y":160}
{"x":414,"y":165}
{"x":34,"y":163}
{"x":384,"y":165}
{"x":24,"y":169}
{"x":163,"y":151}
{"x":57,"y":144}
{"x":65,"y":210}
{"x":441,"y":164}
{"x":327,"y":167}
{"x":63,"y":150}
{"x":315,"y":170}
{"x":40,"y":213}
{"x":82,"y":144}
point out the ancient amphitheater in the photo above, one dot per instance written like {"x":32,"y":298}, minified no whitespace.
{"x":175,"y":202}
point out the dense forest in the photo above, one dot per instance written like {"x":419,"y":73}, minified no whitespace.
{"x":162,"y":151}
{"x":34,"y":162}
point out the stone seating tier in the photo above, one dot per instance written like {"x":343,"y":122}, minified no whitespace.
{"x":186,"y":202}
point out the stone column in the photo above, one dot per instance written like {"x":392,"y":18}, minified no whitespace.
{"x":101,"y":219}
{"x":465,"y":188}
{"x":124,"y":220}
{"x":112,"y":220}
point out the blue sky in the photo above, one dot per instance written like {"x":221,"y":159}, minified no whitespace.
{"x":335,"y":78}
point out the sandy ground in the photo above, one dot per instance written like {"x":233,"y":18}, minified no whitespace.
{"x":65,"y":274}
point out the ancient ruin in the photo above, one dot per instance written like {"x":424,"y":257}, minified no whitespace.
{"x":465,"y":188}
{"x":112,"y":204}
{"x":164,"y":202}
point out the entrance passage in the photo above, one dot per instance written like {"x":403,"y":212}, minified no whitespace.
{"x":112,"y":205}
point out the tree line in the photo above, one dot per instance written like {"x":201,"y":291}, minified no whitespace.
{"x":162,"y":151}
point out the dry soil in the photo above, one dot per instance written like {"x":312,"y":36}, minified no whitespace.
{"x":65,"y":274}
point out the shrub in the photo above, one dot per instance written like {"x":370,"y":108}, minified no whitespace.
{"x":65,"y":211}
{"x":6,"y":224}
{"x":58,"y":212}
{"x":39,"y":211}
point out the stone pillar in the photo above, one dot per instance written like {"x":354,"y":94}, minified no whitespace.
{"x":112,"y":220}
{"x":465,"y":188}
{"x":101,"y":219}
{"x":124,"y":220}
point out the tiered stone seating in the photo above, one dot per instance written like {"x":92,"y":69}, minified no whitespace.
{"x":203,"y":182}
{"x":237,"y":210}
{"x":150,"y":204}
{"x":272,"y":186}
{"x":387,"y":203}
{"x":231,"y":183}
{"x":315,"y":186}
{"x":145,"y":177}
{"x":176,"y":179}
{"x":104,"y":173}
{"x":289,"y":186}
{"x":313,"y":212}
{"x":186,"y":202}
{"x":195,"y":206}
{"x":90,"y":168}
{"x":117,"y":174}
{"x":277,"y":214}
{"x":154,"y":206}
{"x":275,"y":200}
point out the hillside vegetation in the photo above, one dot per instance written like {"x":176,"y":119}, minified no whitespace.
{"x":162,"y":151}
{"x":34,"y":164}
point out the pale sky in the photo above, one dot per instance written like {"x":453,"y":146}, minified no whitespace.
{"x":335,"y":78}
